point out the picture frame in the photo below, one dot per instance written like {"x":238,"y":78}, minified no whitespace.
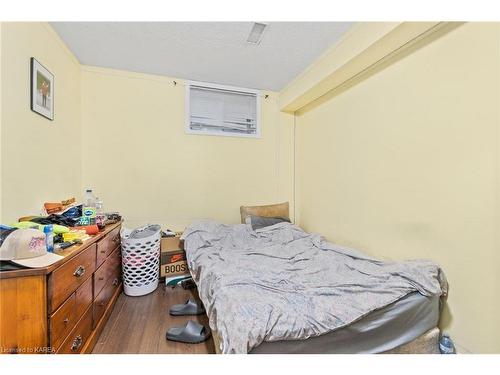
{"x":42,"y":90}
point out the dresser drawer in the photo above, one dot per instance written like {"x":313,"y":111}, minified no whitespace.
{"x":110,"y":268}
{"x":67,"y":278}
{"x":102,"y":300}
{"x":74,"y":343}
{"x":62,"y":321}
{"x":107,"y":245}
{"x":84,"y":297}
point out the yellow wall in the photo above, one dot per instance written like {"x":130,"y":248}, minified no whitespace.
{"x":135,"y":153}
{"x":365,"y":46}
{"x":140,"y":161}
{"x":40,"y":159}
{"x":405,"y":164}
{"x":353,"y":43}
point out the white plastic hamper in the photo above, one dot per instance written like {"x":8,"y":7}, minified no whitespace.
{"x":141,"y":259}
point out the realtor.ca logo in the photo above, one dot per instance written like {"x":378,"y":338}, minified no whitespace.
{"x":27,"y":350}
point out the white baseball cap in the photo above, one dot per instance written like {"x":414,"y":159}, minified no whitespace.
{"x":26,"y":247}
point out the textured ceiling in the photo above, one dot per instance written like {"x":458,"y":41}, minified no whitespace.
{"x":204,"y":51}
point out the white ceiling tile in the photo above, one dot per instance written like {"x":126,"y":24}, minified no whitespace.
{"x":204,"y":51}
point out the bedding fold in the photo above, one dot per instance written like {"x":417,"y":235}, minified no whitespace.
{"x":281,"y":283}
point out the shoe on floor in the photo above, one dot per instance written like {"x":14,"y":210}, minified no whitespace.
{"x":191,"y":307}
{"x":191,"y":333}
{"x":188,"y":284}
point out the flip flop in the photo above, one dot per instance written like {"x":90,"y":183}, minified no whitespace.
{"x":191,"y":307}
{"x":190,"y":333}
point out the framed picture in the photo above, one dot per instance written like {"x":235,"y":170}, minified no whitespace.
{"x":42,"y":90}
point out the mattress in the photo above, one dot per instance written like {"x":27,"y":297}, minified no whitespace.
{"x":282,"y":284}
{"x":379,"y":331}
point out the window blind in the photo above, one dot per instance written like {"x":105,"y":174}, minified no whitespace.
{"x":222,"y":111}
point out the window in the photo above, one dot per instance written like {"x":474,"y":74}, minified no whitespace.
{"x":222,"y":110}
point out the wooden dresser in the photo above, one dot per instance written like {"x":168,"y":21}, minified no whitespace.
{"x":62,"y":308}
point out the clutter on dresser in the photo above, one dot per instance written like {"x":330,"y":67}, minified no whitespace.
{"x":112,"y":218}
{"x":89,"y":209}
{"x":58,"y":206}
{"x":61,"y":225}
{"x":26,"y":247}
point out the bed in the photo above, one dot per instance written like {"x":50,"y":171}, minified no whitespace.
{"x":281,"y":290}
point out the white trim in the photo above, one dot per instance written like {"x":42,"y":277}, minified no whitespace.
{"x":187,"y":122}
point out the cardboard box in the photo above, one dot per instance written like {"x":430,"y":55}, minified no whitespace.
{"x":174,"y":269}
{"x":171,"y":244}
{"x":172,"y":257}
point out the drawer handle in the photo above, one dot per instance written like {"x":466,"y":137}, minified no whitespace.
{"x":79,"y":272}
{"x":115,"y":282}
{"x":77,"y":342}
{"x":103,"y":251}
{"x":116,"y":239}
{"x":66,"y":321}
{"x":100,"y":278}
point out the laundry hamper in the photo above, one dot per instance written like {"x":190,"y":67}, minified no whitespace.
{"x":141,"y":259}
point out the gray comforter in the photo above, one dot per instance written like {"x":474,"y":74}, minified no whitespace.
{"x":281,"y":283}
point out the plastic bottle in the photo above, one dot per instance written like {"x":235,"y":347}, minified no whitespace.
{"x":100,"y":218}
{"x":446,"y":345}
{"x":49,"y":237}
{"x":89,"y":209}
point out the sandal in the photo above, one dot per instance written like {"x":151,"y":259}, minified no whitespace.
{"x":191,"y":307}
{"x":191,"y":333}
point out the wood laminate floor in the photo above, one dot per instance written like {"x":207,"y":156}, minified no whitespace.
{"x":139,"y":324}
